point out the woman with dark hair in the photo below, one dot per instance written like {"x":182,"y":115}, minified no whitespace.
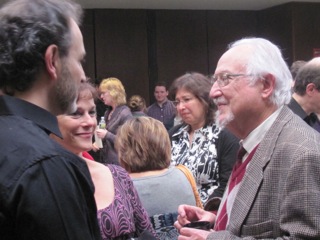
{"x":206,"y":149}
{"x":120,"y":211}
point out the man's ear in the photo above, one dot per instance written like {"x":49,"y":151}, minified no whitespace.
{"x":52,"y":61}
{"x":268,"y":85}
{"x":310,"y":89}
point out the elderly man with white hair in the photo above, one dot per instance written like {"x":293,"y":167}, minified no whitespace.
{"x":274,"y":189}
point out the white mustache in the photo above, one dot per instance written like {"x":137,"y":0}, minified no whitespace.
{"x":220,"y":100}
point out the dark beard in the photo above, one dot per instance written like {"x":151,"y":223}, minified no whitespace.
{"x":66,"y":91}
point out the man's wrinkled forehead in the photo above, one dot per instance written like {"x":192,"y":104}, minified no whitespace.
{"x":235,"y":59}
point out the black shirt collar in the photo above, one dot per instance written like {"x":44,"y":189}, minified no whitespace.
{"x":15,"y":106}
{"x":297,"y":109}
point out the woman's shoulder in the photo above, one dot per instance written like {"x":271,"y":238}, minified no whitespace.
{"x":124,"y":111}
{"x":177,"y":129}
{"x":228,"y":136}
{"x":222,"y":132}
{"x":117,"y":169}
{"x":172,"y":175}
{"x":175,"y":174}
{"x":123,"y":108}
{"x":121,"y":177}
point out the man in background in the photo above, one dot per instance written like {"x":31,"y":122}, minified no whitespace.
{"x":163,"y":109}
{"x":305,"y":101}
{"x":274,"y":188}
{"x":46,"y":191}
{"x":295,"y":67}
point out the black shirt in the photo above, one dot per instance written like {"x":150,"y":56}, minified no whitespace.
{"x":46,"y":191}
{"x":312,"y":119}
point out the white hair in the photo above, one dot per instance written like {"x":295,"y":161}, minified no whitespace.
{"x":266,"y":58}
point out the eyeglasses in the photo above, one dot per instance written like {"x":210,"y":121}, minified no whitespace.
{"x":184,"y":101}
{"x":223,"y":79}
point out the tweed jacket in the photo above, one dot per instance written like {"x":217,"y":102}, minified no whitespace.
{"x":279,"y":197}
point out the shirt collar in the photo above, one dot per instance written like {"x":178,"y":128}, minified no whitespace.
{"x":15,"y":106}
{"x":183,"y":128}
{"x":164,"y":103}
{"x":256,"y":136}
{"x":297,"y":109}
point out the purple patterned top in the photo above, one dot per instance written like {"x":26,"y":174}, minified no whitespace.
{"x":125,"y":217}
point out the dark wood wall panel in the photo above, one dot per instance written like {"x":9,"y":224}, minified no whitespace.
{"x":225,"y":27}
{"x":181,"y":43}
{"x":121,"y":48}
{"x":87,"y":30}
{"x":275,"y":24}
{"x":306,"y":30}
{"x":141,"y":47}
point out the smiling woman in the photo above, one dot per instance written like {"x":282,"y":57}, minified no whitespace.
{"x":120,"y":198}
{"x":78,"y":127}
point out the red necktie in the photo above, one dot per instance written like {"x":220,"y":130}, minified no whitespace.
{"x":222,"y":218}
{"x":239,"y":169}
{"x":241,"y":153}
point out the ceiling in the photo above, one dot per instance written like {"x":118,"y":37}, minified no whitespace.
{"x":184,"y":4}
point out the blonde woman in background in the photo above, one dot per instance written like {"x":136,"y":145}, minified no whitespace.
{"x":113,"y":95}
{"x":137,"y":105}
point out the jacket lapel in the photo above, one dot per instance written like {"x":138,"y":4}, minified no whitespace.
{"x":254,"y":173}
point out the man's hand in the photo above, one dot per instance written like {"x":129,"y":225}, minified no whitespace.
{"x":192,"y":233}
{"x":189,"y":214}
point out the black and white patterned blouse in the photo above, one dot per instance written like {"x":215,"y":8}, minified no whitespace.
{"x":210,"y":157}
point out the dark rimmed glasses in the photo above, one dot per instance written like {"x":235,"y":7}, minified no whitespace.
{"x":183,"y":101}
{"x":223,"y":79}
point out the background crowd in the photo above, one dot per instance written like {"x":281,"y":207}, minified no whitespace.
{"x":239,"y":149}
